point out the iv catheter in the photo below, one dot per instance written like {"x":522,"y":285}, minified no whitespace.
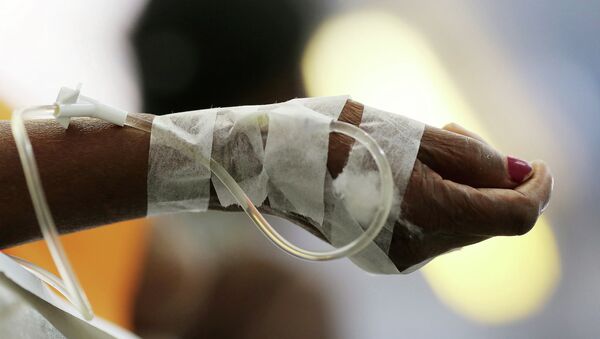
{"x":71,"y":104}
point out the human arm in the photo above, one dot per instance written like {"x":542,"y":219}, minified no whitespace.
{"x":460,"y":191}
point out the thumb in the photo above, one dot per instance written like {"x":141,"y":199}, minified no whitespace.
{"x":463,"y":157}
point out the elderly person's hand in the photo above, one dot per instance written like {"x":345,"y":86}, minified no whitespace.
{"x":463,"y":191}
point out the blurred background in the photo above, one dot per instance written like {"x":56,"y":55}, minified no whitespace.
{"x":523,"y":74}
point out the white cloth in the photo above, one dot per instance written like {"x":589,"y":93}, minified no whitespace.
{"x":29,"y":309}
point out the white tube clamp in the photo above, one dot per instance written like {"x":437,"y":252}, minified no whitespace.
{"x":71,"y":104}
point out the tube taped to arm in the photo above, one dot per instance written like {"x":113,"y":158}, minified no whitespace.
{"x":240,"y":142}
{"x":296,"y":160}
{"x":279,"y":152}
{"x":177,"y":182}
{"x":400,"y":138}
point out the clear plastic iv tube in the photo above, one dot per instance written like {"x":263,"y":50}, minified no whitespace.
{"x":138,"y":123}
{"x":70,"y":284}
{"x":352,"y":248}
{"x":44,"y":275}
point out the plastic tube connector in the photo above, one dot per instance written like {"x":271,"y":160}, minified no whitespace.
{"x":70,"y":104}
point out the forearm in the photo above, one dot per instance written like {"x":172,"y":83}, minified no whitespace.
{"x":94,"y":173}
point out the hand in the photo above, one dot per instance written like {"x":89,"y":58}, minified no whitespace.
{"x":461,"y":192}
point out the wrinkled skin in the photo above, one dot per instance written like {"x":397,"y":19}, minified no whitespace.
{"x":460,"y":193}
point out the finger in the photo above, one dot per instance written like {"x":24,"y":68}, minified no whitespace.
{"x":539,"y":190}
{"x":458,"y":129}
{"x":522,"y":170}
{"x":467,"y":160}
{"x":510,"y":212}
{"x":435,"y":205}
{"x":432,"y":205}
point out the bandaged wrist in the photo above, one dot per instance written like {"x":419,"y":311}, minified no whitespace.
{"x":278,"y":153}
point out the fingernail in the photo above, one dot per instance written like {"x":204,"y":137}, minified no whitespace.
{"x":518,"y":169}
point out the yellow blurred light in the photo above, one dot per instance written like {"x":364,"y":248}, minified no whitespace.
{"x":383,"y":62}
{"x":4,"y":112}
{"x":376,"y":58}
{"x":499,"y":280}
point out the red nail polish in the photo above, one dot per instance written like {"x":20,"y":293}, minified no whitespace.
{"x":518,"y":169}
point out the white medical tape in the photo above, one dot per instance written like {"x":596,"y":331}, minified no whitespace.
{"x":279,"y":152}
{"x":329,"y":106}
{"x":399,"y":137}
{"x":296,"y":160}
{"x":238,"y":146}
{"x":176,"y":181}
{"x":288,"y":167}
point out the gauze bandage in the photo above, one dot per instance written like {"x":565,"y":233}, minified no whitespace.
{"x":278,"y":153}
